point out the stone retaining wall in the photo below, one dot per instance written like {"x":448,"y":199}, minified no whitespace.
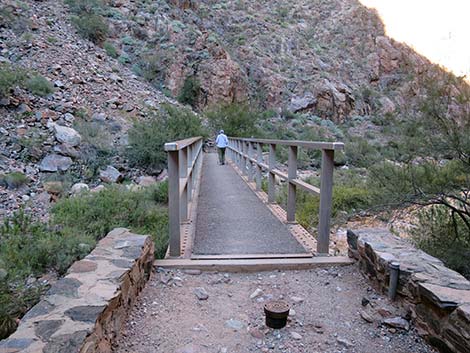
{"x":438,"y":297}
{"x":84,"y":311}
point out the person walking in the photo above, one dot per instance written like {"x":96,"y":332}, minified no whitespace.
{"x":221,"y":143}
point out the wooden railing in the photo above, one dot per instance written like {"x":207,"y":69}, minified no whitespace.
{"x":247,"y":154}
{"x":184,"y":166}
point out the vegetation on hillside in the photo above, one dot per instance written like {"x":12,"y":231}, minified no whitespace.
{"x":147,"y":138}
{"x":12,"y":76}
{"x":29,"y":249}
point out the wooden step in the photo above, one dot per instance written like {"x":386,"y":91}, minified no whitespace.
{"x":254,"y":265}
{"x":249,"y":256}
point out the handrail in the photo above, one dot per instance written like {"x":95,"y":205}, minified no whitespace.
{"x":178,"y":145}
{"x":247,"y":155}
{"x":299,"y":143}
{"x":184,"y":166}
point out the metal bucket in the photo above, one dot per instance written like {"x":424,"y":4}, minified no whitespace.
{"x":276,"y":312}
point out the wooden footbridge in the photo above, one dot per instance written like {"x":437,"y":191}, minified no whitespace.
{"x":220,"y":217}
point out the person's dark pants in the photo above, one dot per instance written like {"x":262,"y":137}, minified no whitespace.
{"x":222,"y":155}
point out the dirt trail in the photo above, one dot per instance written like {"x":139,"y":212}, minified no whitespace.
{"x":331,"y":310}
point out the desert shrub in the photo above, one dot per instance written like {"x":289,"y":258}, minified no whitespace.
{"x":39,"y":85}
{"x":443,"y":234}
{"x":95,"y":214}
{"x":88,"y":19}
{"x":360,"y":153}
{"x":153,"y":66}
{"x":96,"y":147}
{"x":110,"y":50}
{"x":13,"y":180}
{"x":347,"y":200}
{"x":235,"y":119}
{"x":86,"y":6}
{"x":190,"y":91}
{"x":27,"y":250}
{"x":350,"y":196}
{"x":92,"y":27}
{"x":9,"y":78}
{"x":147,"y":138}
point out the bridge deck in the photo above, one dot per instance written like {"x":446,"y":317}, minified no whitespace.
{"x":232,"y":220}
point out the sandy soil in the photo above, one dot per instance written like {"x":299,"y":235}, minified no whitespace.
{"x":332,"y":308}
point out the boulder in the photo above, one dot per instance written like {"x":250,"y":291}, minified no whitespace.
{"x":78,"y":188}
{"x":146,"y":180}
{"x":67,"y":135}
{"x":110,"y":175}
{"x":54,"y":163}
{"x":305,"y":102}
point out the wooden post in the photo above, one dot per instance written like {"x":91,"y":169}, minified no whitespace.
{"x":244,"y":158}
{"x":326,"y":195}
{"x":183,"y":165}
{"x":174,"y":203}
{"x":240,"y":155}
{"x":292,"y":174}
{"x":272,"y":176}
{"x":251,"y":171}
{"x":259,"y":158}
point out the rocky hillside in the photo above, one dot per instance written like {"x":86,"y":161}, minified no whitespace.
{"x":61,"y":136}
{"x":328,"y":57}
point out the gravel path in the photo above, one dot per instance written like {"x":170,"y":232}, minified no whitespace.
{"x":232,"y":220}
{"x":182,"y":312}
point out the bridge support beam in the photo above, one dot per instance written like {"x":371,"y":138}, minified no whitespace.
{"x":326,"y":195}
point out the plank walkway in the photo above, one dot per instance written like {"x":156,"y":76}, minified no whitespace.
{"x":232,"y":220}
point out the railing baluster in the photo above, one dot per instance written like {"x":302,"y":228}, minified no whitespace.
{"x":259,"y":158}
{"x":292,"y":174}
{"x":272,"y":176}
{"x":244,"y":159}
{"x":250,"y":163}
{"x":326,"y":195}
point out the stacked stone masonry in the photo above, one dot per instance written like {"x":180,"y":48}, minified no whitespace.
{"x":438,"y":298}
{"x":84,"y":311}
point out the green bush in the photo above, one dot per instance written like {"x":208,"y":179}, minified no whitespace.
{"x":86,"y":6}
{"x":39,"y":85}
{"x":96,"y":214}
{"x":238,"y":120}
{"x":9,"y":78}
{"x":92,"y":27}
{"x":444,"y":235}
{"x":13,"y":180}
{"x":190,"y":91}
{"x":96,"y":148}
{"x":147,"y":138}
{"x":110,"y":50}
{"x":29,"y":249}
{"x":350,"y":196}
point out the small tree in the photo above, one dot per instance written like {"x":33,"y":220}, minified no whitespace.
{"x":147,"y":138}
{"x":235,"y":119}
{"x":190,"y":91}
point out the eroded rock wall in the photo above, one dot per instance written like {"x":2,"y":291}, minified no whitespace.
{"x":84,"y":311}
{"x":438,"y":298}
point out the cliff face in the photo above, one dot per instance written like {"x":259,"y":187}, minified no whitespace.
{"x":306,"y":55}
